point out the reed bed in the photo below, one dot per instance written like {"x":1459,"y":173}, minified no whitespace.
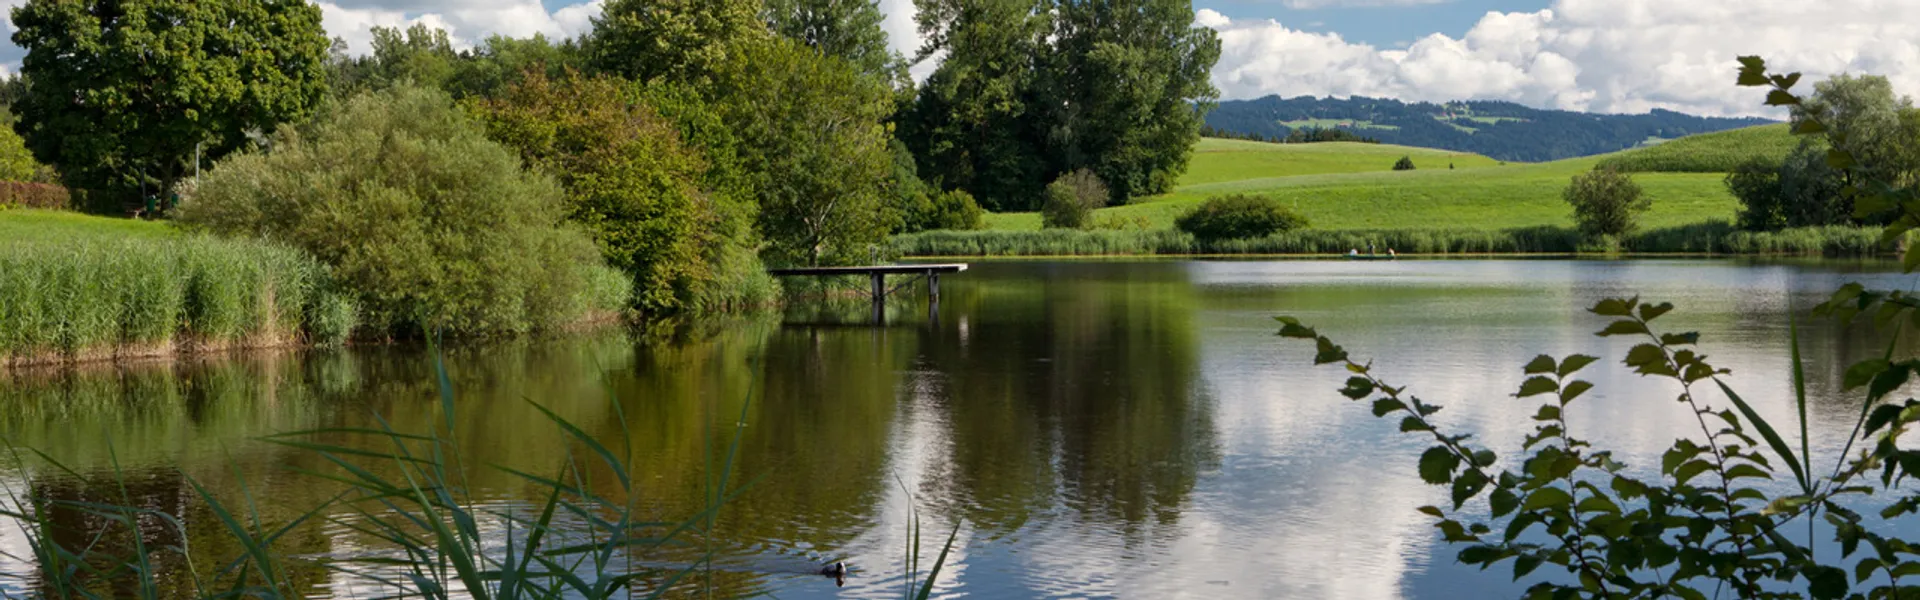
{"x":100,"y":298}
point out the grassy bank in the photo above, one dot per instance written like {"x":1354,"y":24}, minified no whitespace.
{"x":1713,"y":237}
{"x":97,"y":297}
{"x":1339,"y":186}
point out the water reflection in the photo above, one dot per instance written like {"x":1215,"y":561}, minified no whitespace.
{"x":1126,"y":429}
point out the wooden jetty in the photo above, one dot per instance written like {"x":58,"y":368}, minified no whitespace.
{"x":877,"y":274}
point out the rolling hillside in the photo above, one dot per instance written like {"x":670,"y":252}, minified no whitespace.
{"x":1352,"y":186}
{"x":1502,"y":130}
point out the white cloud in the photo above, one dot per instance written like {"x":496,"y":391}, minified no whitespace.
{"x":1597,"y":55}
{"x":466,"y":21}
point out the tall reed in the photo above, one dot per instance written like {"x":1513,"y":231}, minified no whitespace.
{"x":76,"y":299}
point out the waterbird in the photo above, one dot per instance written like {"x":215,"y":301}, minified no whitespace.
{"x":838,"y":571}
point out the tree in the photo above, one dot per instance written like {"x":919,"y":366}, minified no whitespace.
{"x":1238,"y":216}
{"x":1404,"y":164}
{"x":629,"y":181}
{"x":1756,"y":183}
{"x":1606,"y":202}
{"x":813,"y":145}
{"x":1126,"y":82}
{"x":433,"y":227}
{"x":686,"y":41}
{"x":122,"y":92}
{"x":976,"y":125}
{"x":849,"y":29}
{"x":1867,"y":121}
{"x":1810,"y":190}
{"x":1071,"y":200}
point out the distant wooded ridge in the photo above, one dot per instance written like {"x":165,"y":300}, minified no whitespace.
{"x":1501,"y":130}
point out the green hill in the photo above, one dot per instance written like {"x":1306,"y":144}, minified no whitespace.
{"x":1708,"y":153}
{"x":1217,"y":160}
{"x":1339,"y":186}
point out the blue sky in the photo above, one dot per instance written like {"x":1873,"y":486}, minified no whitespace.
{"x":1615,"y":56}
{"x":1382,"y":23}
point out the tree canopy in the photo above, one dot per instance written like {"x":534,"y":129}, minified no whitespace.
{"x":676,"y":40}
{"x":121,"y":92}
{"x":849,"y":29}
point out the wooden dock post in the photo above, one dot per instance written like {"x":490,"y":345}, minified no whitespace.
{"x":877,"y":277}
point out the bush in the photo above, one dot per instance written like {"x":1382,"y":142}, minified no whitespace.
{"x":1756,"y":183}
{"x":1071,"y":200}
{"x":951,"y":209}
{"x":1605,"y":202}
{"x":1405,"y":164}
{"x":1238,"y":216}
{"x":432,"y":227}
{"x":21,"y":194}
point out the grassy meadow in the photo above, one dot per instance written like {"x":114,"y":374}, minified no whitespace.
{"x":1350,"y":186}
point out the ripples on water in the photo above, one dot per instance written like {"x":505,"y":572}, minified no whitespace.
{"x":1098,"y":429}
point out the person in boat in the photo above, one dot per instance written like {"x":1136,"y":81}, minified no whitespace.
{"x":838,"y":571}
{"x":1353,"y":252}
{"x":1390,"y":252}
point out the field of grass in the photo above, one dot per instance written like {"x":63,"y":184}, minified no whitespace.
{"x":26,"y":225}
{"x":1216,"y":160}
{"x":1708,"y":153}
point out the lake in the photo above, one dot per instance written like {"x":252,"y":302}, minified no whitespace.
{"x":1094,"y":428}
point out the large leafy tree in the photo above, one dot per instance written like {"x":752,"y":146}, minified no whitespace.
{"x":630,"y":180}
{"x":849,"y":29}
{"x":1867,"y":120}
{"x":813,"y":142}
{"x":1127,"y":85}
{"x":976,"y":124}
{"x":122,"y":91}
{"x":684,"y":41}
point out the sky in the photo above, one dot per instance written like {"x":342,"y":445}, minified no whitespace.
{"x":1614,"y":56}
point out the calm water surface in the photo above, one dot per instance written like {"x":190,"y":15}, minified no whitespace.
{"x":1096,"y":429}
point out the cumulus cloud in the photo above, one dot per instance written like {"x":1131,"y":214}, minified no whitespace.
{"x":1626,"y":56}
{"x":466,"y":21}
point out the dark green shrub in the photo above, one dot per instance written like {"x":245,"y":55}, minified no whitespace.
{"x":1404,"y":164}
{"x":1606,"y":202}
{"x":1071,"y":200}
{"x":431,"y":226}
{"x":1238,"y":216}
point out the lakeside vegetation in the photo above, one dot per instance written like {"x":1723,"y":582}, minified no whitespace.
{"x":77,"y":288}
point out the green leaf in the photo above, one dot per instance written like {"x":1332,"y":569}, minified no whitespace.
{"x":1680,"y":339}
{"x":1537,"y":385}
{"x":1645,"y":354}
{"x":1412,"y":424}
{"x":1503,"y":502}
{"x":1808,"y":127}
{"x":1782,"y":98}
{"x":1753,"y":72}
{"x":1748,"y":471}
{"x":1772,"y":437}
{"x":1437,"y":465}
{"x":1358,"y":388}
{"x":1480,"y":554}
{"x":1826,"y":583}
{"x":1540,"y":364}
{"x":1384,"y":406}
{"x":1614,"y":307}
{"x":1291,"y":328}
{"x":1574,"y":390}
{"x":1866,"y":568}
{"x":1863,"y":372}
{"x":1649,"y":312}
{"x":1690,"y":470}
{"x":1466,"y":486}
{"x":1624,"y":327}
{"x":1524,"y":564}
{"x":1574,"y":364}
{"x":1785,"y":505}
{"x":1599,"y":504}
{"x":1483,"y":458}
{"x":1547,"y":497}
{"x":1889,"y":380}
{"x":1548,"y":412}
